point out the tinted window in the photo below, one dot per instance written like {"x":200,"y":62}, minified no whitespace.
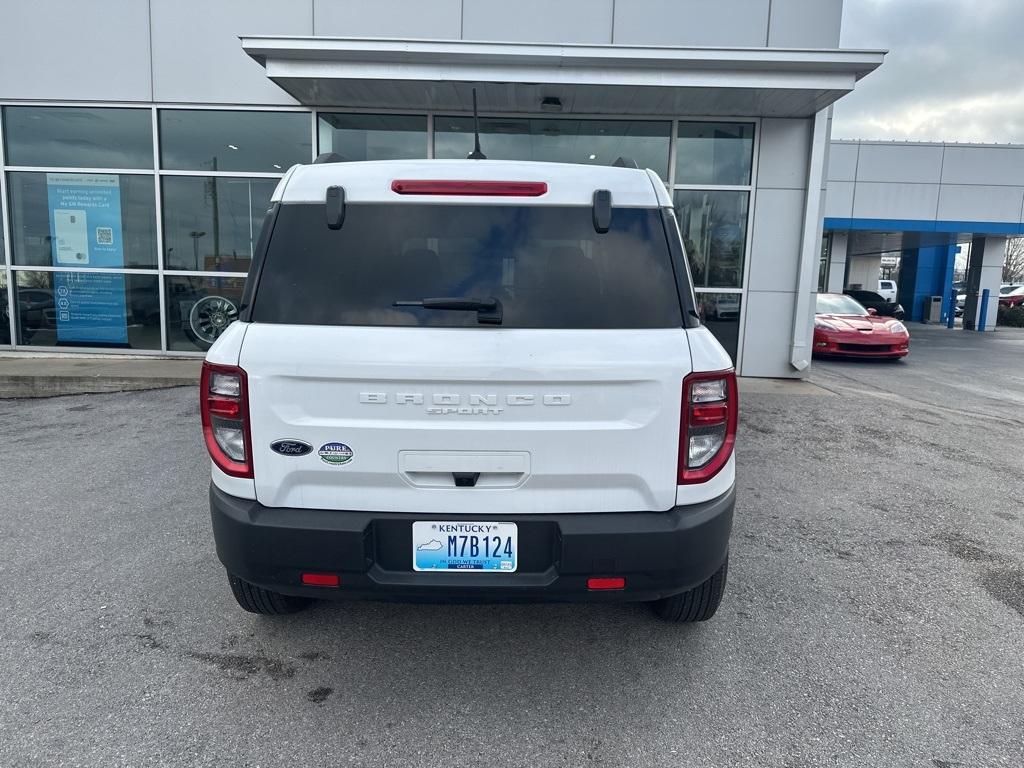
{"x":714,"y":153}
{"x":88,"y":220}
{"x":720,"y":312}
{"x":221,"y":140}
{"x":211,"y":223}
{"x":558,"y":140}
{"x":547,"y":266}
{"x":87,"y":309}
{"x":373,"y":137}
{"x":714,"y":229}
{"x":79,"y":137}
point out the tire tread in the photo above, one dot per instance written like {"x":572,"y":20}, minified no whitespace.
{"x":262,"y":601}
{"x":697,"y":604}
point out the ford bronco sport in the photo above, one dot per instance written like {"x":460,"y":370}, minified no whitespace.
{"x":471,"y":380}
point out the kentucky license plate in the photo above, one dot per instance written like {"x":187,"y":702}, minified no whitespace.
{"x":464,"y":546}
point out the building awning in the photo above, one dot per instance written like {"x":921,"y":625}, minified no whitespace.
{"x":586,"y":79}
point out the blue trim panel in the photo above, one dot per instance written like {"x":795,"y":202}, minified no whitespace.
{"x":912,"y":225}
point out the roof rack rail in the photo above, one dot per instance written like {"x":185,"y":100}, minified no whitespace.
{"x":328,"y":157}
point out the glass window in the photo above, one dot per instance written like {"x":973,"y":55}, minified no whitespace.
{"x":546,"y":266}
{"x":88,"y":309}
{"x":373,"y":137}
{"x":199,"y":309}
{"x":720,"y":312}
{"x":89,"y":220}
{"x":3,"y":253}
{"x":79,"y":137}
{"x":5,"y":314}
{"x":714,"y":230}
{"x":714,"y":153}
{"x":211,"y":224}
{"x":592,"y":142}
{"x":219,"y":140}
{"x":838,"y":304}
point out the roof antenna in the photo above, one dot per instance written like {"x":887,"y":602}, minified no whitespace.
{"x":476,"y":154}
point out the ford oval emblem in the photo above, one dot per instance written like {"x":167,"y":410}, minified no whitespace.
{"x":291,"y":447}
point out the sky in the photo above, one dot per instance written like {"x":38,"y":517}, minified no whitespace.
{"x":955,"y":71}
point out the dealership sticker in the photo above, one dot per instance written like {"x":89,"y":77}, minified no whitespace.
{"x":335,"y":453}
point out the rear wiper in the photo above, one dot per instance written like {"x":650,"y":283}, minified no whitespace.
{"x":487,"y":310}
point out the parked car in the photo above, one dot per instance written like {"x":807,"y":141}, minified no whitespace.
{"x":471,"y":380}
{"x":844,"y":327}
{"x":872,"y":300}
{"x":887,"y":289}
{"x":1013,"y":298}
{"x":37,"y":312}
{"x":721,"y":306}
{"x":1005,"y":289}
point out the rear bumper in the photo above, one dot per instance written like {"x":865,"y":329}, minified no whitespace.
{"x":658,"y":553}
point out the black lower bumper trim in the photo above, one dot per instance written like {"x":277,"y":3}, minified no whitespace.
{"x":658,"y":553}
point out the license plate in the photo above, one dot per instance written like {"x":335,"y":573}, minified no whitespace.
{"x":464,"y":546}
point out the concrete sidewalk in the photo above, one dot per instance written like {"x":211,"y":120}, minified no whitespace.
{"x":32,"y":376}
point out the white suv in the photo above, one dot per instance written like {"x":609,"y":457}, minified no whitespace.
{"x":471,"y":380}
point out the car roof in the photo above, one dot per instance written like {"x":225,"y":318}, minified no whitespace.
{"x":568,"y":184}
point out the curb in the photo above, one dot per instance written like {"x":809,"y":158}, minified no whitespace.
{"x":29,"y":386}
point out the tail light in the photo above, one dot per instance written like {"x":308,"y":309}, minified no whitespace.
{"x":224,"y":404}
{"x":707,"y":425}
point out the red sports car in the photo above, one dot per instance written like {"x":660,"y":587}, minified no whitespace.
{"x":1014,"y":298}
{"x":843,"y":327}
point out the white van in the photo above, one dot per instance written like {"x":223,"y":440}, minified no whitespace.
{"x":471,"y":380}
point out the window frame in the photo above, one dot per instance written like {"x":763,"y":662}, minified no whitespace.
{"x":157,"y":173}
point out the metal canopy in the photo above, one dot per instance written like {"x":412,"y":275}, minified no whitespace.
{"x":587,"y":79}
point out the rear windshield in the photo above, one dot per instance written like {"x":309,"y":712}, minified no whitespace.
{"x":547,"y":266}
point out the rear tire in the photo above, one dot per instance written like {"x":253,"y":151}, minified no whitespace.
{"x":262,"y":601}
{"x":697,"y":604}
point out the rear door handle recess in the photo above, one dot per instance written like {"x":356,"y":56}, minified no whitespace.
{"x":464,"y":469}
{"x":465,"y":479}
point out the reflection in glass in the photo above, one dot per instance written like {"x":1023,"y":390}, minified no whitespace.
{"x":88,"y":309}
{"x":714,"y":153}
{"x":3,"y":253}
{"x":714,"y":230}
{"x":199,"y":309}
{"x":89,"y":220}
{"x":373,"y":137}
{"x":222,"y":140}
{"x":720,"y":312}
{"x":211,"y":224}
{"x":78,"y":137}
{"x":5,"y":312}
{"x":591,"y":142}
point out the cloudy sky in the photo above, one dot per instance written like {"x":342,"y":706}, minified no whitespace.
{"x":955,"y":71}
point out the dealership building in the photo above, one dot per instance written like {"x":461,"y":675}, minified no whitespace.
{"x":141,"y":142}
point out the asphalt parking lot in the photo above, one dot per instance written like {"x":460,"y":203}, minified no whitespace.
{"x":874,"y":615}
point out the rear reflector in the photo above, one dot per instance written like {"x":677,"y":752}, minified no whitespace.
{"x":613,"y":582}
{"x":321,"y":579}
{"x":471,"y":188}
